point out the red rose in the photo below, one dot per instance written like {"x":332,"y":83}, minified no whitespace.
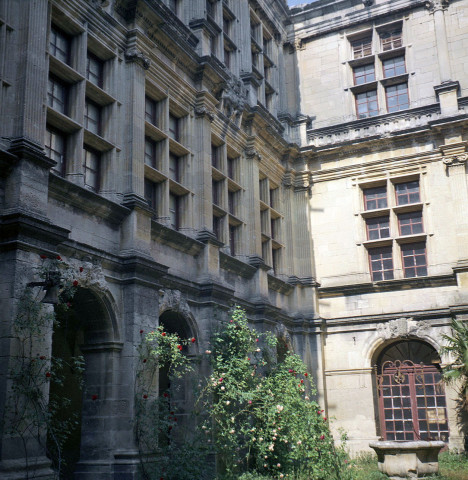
{"x":193,"y":340}
{"x":306,"y":374}
{"x":179,"y":347}
{"x":170,"y":428}
{"x":81,"y":269}
{"x":163,"y":334}
{"x":291,"y":370}
{"x":220,"y":380}
{"x":144,"y":360}
{"x":302,"y":381}
{"x":165,"y":395}
{"x":68,"y":304}
{"x":324,"y":419}
{"x":322,"y":437}
{"x":145,"y":396}
{"x":94,"y":397}
{"x":172,"y":413}
{"x":48,"y":374}
{"x":42,"y":357}
{"x":59,"y":257}
{"x":43,"y":257}
{"x":175,"y":419}
{"x":141,"y":331}
{"x":75,"y":283}
{"x":256,"y":339}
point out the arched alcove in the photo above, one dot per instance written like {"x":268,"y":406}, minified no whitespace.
{"x":409,"y":392}
{"x":87,"y":328}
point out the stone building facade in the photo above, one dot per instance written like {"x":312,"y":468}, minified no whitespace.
{"x":308,"y":164}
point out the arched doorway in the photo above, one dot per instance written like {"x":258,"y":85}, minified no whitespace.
{"x":410,"y":392}
{"x":86,"y":328}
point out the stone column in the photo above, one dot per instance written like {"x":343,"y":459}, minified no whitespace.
{"x":455,"y":157}
{"x":447,"y":90}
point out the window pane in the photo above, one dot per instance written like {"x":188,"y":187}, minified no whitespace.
{"x":364,"y":74}
{"x":57,"y":95}
{"x":91,"y":169}
{"x":54,"y":144}
{"x":381,"y":263}
{"x":59,"y":44}
{"x":92,"y":117}
{"x":362,"y":48}
{"x":94,"y":69}
{"x":375,"y":198}
{"x":407,"y":193}
{"x":174,"y":127}
{"x":414,"y":255}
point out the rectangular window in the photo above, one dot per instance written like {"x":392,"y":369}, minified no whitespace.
{"x":226,"y":25}
{"x":217,"y":227}
{"x":397,"y":97}
{"x":216,"y":192}
{"x":150,"y":193}
{"x":227,"y":58}
{"x":94,"y":69}
{"x":232,"y":239}
{"x":407,"y":193}
{"x":174,"y":127}
{"x":362,"y":47}
{"x":215,"y":156}
{"x":174,"y":167}
{"x":150,"y":111}
{"x":375,"y":198}
{"x":92,"y":117}
{"x":276,"y":259}
{"x":414,"y":260}
{"x":174,"y":211}
{"x":150,"y":153}
{"x":391,"y":39}
{"x":91,"y":165}
{"x":377,"y":228}
{"x":394,"y":66}
{"x":366,"y":104}
{"x":57,"y":93}
{"x":210,"y":8}
{"x":231,"y":168}
{"x":410,"y":223}
{"x":59,"y":44}
{"x":174,"y":6}
{"x":274,"y":227}
{"x":232,"y":202}
{"x":381,"y":263}
{"x":364,"y":74}
{"x":54,"y":144}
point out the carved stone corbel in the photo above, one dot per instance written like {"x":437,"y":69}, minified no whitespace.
{"x":202,"y":111}
{"x":367,"y":3}
{"x":252,"y":154}
{"x":434,"y":5}
{"x":134,"y":55}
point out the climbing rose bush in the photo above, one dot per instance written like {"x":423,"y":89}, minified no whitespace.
{"x":261,"y":418}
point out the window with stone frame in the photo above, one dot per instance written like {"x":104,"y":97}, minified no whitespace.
{"x":174,"y":127}
{"x":59,"y":44}
{"x":57,"y":94}
{"x":174,"y":167}
{"x":377,"y":228}
{"x":410,"y":223}
{"x":381,"y":263}
{"x":362,"y":47}
{"x":391,"y":39}
{"x":151,"y":111}
{"x":407,"y":192}
{"x":92,"y":117}
{"x":375,"y":197}
{"x":55,"y":148}
{"x":414,"y":259}
{"x":367,"y":104}
{"x":91,"y":168}
{"x":175,"y":210}
{"x":94,"y":69}
{"x":151,"y":152}
{"x":397,"y":97}
{"x":364,"y":74}
{"x":393,"y":67}
{"x":151,"y":193}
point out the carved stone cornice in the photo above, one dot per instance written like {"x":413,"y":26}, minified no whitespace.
{"x":403,"y":328}
{"x":434,"y":5}
{"x":134,"y":55}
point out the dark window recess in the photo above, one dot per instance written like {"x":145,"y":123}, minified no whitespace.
{"x":94,"y":69}
{"x":414,"y":260}
{"x":150,"y":111}
{"x":232,"y":239}
{"x":54,"y":145}
{"x":276,"y":259}
{"x":174,"y":132}
{"x":91,"y":168}
{"x":397,"y":97}
{"x":410,"y":223}
{"x":375,"y":197}
{"x":174,"y":210}
{"x":232,"y":202}
{"x":150,"y":193}
{"x":174,"y":167}
{"x":381,"y":263}
{"x":215,"y":156}
{"x":407,"y":193}
{"x":150,"y":153}
{"x":217,"y":227}
{"x":366,"y":104}
{"x":92,"y":117}
{"x":59,"y":44}
{"x":216,"y":192}
{"x":377,"y":228}
{"x":57,"y":95}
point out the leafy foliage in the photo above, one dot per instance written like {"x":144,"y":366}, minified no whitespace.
{"x":457,"y":347}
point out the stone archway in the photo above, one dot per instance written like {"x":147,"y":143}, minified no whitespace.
{"x":90,"y":328}
{"x":409,"y":393}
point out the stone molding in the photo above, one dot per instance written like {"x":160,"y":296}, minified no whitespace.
{"x":455,"y":160}
{"x":134,"y":55}
{"x":201,"y":111}
{"x":403,"y":327}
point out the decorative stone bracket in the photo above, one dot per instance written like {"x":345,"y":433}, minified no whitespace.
{"x":134,"y":55}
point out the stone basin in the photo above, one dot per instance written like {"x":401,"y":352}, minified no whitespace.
{"x":413,"y":459}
